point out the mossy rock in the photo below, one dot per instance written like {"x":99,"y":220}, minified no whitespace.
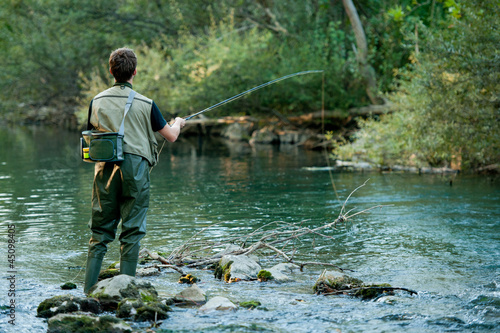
{"x":152,"y":312}
{"x":223,"y":272}
{"x":264,"y":276}
{"x":250,"y":304}
{"x":128,"y":307}
{"x":67,"y":304}
{"x":68,"y":286}
{"x":189,"y":279}
{"x":334,"y":282}
{"x":82,"y":323}
{"x":108,"y":273}
{"x":113,"y":265}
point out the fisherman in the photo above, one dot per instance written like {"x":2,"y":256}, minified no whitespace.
{"x":121,"y":189}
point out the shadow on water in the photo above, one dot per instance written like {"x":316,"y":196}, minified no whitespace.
{"x":437,"y":239}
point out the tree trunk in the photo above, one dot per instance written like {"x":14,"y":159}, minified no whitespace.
{"x":367,"y":72}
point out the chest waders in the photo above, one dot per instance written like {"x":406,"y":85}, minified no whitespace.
{"x":120,"y":192}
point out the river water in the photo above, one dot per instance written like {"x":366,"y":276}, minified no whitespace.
{"x":439,"y":239}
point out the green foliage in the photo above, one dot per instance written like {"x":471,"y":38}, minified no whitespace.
{"x":448,"y":100}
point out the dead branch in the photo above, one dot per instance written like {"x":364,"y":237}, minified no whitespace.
{"x":199,"y":252}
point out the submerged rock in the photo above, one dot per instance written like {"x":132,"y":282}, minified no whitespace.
{"x":68,"y":286}
{"x":250,"y":304}
{"x":192,"y":295}
{"x":331,"y":282}
{"x":84,"y":323}
{"x":218,"y":303}
{"x":147,"y":271}
{"x":281,"y":272}
{"x":67,"y":304}
{"x":110,"y":292}
{"x":233,"y":268}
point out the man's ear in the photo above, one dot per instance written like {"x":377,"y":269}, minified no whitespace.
{"x":110,"y":72}
{"x":135,"y":72}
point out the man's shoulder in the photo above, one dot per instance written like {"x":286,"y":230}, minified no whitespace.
{"x":117,"y":91}
{"x":143,"y":99}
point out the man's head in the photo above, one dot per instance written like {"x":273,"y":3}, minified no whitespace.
{"x":122,"y":64}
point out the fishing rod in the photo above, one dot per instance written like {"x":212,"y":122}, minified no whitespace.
{"x":252,"y":90}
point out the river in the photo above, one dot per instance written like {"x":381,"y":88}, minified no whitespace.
{"x":439,"y":239}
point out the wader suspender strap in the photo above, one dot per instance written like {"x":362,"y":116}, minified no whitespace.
{"x":127,"y":107}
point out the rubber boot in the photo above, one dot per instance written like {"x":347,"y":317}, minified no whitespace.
{"x":128,"y":267}
{"x":92,"y":273}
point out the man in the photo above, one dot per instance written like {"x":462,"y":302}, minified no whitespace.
{"x":121,"y":189}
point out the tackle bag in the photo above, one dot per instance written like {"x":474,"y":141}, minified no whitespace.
{"x":98,"y":146}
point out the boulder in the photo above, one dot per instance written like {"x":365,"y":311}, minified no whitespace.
{"x":85,"y":322}
{"x":111,"y":291}
{"x":234,"y":268}
{"x":218,"y":303}
{"x":147,"y":271}
{"x":67,"y":304}
{"x":282,"y":272}
{"x":335,"y":282}
{"x":192,"y":295}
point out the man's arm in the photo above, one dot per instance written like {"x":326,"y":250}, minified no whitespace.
{"x":171,"y":133}
{"x":159,"y":124}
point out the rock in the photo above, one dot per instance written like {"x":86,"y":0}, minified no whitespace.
{"x":192,"y":295}
{"x":83,"y":323}
{"x":238,"y":131}
{"x":108,"y":273}
{"x":68,"y":286}
{"x":264,"y":135}
{"x":332,"y":282}
{"x":67,"y":304}
{"x":281,"y":272}
{"x":218,"y":303}
{"x":128,"y":307}
{"x":152,"y":311}
{"x":111,"y":291}
{"x":147,"y":271}
{"x":234,"y":268}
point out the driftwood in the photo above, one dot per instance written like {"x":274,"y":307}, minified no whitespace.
{"x":198,"y":252}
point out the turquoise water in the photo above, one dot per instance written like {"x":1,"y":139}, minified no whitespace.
{"x":439,"y":240}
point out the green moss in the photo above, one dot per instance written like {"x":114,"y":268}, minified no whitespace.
{"x":264,"y":276}
{"x":68,"y":286}
{"x":108,"y":273}
{"x":147,"y":297}
{"x":250,"y":304}
{"x":113,"y":265}
{"x":152,"y":312}
{"x":223,"y":271}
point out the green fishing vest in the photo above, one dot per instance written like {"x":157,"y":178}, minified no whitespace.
{"x":107,"y":115}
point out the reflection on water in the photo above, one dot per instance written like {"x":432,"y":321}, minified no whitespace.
{"x":438,"y":239}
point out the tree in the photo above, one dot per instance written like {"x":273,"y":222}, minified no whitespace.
{"x":367,"y":71}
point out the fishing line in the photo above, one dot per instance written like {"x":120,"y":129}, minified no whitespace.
{"x":323,"y":132}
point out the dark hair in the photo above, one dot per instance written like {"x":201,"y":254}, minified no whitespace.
{"x":122,"y":63}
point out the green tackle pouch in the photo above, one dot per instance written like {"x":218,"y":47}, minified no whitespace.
{"x":98,"y":146}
